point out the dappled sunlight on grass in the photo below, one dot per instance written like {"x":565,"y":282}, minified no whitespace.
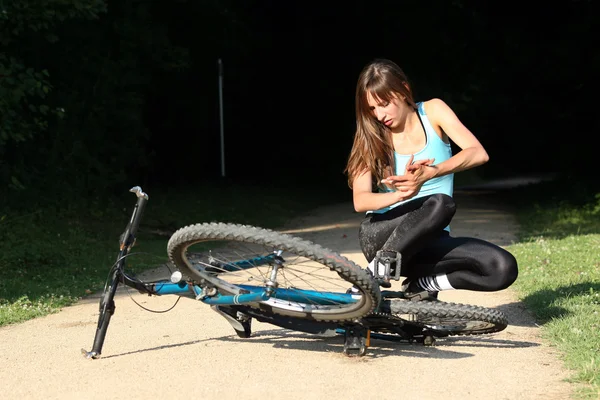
{"x":559,"y":280}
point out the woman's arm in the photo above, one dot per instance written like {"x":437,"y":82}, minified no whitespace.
{"x":472,"y":153}
{"x":365,"y":200}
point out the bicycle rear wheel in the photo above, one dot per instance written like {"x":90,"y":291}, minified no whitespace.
{"x":310,"y":281}
{"x":446,"y":319}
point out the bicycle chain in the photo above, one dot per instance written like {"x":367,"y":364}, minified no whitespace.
{"x":387,"y":316}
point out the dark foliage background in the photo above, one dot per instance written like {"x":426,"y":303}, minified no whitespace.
{"x":96,"y":96}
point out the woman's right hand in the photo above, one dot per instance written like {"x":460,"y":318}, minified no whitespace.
{"x":416,"y":174}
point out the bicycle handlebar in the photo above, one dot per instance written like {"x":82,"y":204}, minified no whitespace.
{"x":128,"y":237}
{"x":139,"y":192}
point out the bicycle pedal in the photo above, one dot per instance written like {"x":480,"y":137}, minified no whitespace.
{"x":386,"y":266}
{"x":356,"y":340}
{"x":428,"y":340}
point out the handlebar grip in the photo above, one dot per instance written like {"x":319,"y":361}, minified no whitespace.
{"x":129,"y":235}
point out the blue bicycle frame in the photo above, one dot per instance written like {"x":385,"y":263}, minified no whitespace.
{"x":253,"y":293}
{"x":256,"y":294}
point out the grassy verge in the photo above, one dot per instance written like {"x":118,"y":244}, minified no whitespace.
{"x":559,"y":280}
{"x":53,"y":256}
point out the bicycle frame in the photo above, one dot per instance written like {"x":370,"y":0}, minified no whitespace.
{"x":207,"y":295}
{"x":384,"y":321}
{"x":256,"y":294}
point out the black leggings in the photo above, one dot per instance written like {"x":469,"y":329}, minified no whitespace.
{"x":416,"y":230}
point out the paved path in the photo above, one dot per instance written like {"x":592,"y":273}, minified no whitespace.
{"x":192,"y":352}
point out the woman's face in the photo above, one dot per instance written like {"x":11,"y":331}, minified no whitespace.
{"x":390,"y":113}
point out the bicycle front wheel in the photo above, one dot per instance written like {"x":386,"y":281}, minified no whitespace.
{"x":306,"y":280}
{"x":447,"y":319}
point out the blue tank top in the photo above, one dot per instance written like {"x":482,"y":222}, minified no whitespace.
{"x":434,"y":148}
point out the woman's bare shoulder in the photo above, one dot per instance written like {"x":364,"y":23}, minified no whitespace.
{"x":435,"y":105}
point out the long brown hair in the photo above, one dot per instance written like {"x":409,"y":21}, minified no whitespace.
{"x":372,"y":149}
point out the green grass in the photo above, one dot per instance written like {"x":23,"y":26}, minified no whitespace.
{"x":559,"y":277}
{"x":54,"y":256}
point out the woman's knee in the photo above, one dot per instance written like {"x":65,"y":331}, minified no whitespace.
{"x":440,"y":201}
{"x":442,"y":207}
{"x":506,"y":270}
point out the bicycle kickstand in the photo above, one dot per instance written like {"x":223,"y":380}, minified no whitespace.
{"x":356,"y":340}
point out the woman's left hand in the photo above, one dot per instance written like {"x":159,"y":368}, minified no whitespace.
{"x":417,"y":173}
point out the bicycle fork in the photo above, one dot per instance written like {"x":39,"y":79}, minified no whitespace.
{"x":107,"y":309}
{"x":107,"y":303}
